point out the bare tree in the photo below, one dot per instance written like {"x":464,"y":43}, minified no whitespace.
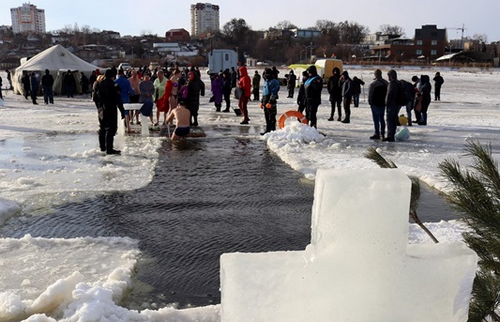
{"x":396,"y":31}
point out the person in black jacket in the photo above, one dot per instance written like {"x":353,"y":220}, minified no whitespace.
{"x":424,"y":89}
{"x":438,"y":81}
{"x":347,"y":92}
{"x":226,"y":88}
{"x":312,"y":89}
{"x":109,"y":100}
{"x":301,"y":97}
{"x":356,"y":90}
{"x":47,"y":83}
{"x":195,"y":87}
{"x":290,"y":85}
{"x":393,"y":107}
{"x":335,"y":89}
{"x":35,"y":86}
{"x":376,"y":99}
{"x":26,"y":85}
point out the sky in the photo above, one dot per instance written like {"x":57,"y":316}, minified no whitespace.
{"x":157,"y":16}
{"x":86,"y":276}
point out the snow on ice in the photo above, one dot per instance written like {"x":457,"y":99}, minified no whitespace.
{"x":49,"y":156}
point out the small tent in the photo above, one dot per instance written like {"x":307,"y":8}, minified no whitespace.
{"x":58,"y":61}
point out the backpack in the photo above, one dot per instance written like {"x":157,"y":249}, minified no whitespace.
{"x":402,"y":98}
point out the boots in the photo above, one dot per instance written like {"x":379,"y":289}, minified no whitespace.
{"x":109,"y":144}
{"x":102,"y":140}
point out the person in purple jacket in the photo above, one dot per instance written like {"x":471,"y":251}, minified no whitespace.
{"x":217,"y":92}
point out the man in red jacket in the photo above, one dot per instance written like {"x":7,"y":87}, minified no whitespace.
{"x":245,"y":85}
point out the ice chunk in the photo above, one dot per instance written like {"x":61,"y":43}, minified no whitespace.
{"x":358,"y":267}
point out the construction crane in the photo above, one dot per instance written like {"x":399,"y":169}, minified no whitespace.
{"x":462,"y":38}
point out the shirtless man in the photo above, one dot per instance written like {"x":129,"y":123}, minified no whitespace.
{"x":182,"y":118}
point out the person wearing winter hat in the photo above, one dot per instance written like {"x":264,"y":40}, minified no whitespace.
{"x":47,"y":83}
{"x":109,"y":102}
{"x":312,"y":89}
{"x":346,"y":95}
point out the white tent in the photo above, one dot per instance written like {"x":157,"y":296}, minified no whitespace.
{"x":57,"y":60}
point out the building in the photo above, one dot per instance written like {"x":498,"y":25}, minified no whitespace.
{"x":28,"y":18}
{"x":174,"y":35}
{"x":430,"y":42}
{"x":204,"y":18}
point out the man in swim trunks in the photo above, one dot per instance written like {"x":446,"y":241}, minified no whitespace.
{"x":182,"y":121}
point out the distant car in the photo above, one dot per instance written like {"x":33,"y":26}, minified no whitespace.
{"x":153,"y":65}
{"x":124,"y":66}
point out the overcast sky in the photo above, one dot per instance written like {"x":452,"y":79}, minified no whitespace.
{"x":158,"y":16}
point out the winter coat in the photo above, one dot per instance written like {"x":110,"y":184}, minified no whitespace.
{"x":195,"y":87}
{"x":313,"y":87}
{"x":146,"y":87}
{"x":334,"y":86}
{"x":256,"y":81}
{"x":217,"y":89}
{"x":125,"y":88}
{"x":391,"y":98}
{"x":244,"y":82}
{"x":377,"y":92}
{"x":425,"y":88}
{"x":356,"y":85}
{"x":438,"y":81}
{"x":226,"y":82}
{"x":35,"y":85}
{"x":292,"y":80}
{"x":47,"y":80}
{"x":109,"y":97}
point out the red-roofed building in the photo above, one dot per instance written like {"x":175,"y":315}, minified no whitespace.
{"x":177,"y":35}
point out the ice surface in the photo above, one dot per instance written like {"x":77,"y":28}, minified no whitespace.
{"x":359,"y":253}
{"x":49,"y":155}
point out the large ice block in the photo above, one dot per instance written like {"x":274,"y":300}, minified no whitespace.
{"x":358,"y":267}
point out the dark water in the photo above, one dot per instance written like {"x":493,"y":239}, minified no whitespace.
{"x":208,"y":197}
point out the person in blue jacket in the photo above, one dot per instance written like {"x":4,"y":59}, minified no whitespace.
{"x":125,"y":92}
{"x":269,"y":100}
{"x":312,"y":89}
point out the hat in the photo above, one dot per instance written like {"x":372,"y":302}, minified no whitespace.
{"x":109,"y":73}
{"x":345,"y":73}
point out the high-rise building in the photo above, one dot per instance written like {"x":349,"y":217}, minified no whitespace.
{"x":204,"y":18}
{"x":28,"y":18}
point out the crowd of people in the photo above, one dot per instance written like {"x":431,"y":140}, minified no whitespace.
{"x":176,"y":95}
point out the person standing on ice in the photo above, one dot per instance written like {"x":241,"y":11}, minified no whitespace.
{"x":438,"y":82}
{"x":391,"y":101}
{"x":376,"y":99}
{"x":194,"y":87}
{"x":269,"y":97}
{"x":35,"y":86}
{"x":347,"y":91}
{"x":301,"y":96}
{"x":256,"y":86}
{"x":424,"y":89}
{"x":290,"y":85}
{"x":335,"y":90}
{"x":47,"y":83}
{"x":226,"y":88}
{"x":312,"y":89}
{"x":110,"y":101}
{"x":244,"y":84}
